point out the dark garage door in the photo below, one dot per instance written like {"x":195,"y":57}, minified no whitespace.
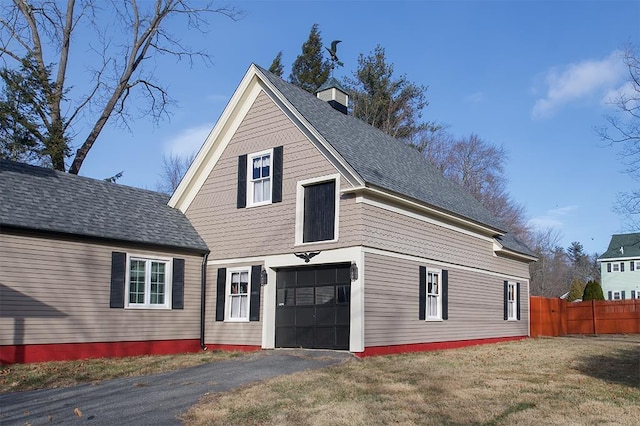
{"x":312,"y":307}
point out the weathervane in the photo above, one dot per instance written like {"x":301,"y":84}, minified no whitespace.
{"x":334,"y":56}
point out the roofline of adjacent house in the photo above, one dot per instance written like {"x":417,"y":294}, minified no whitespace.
{"x":613,"y":259}
{"x":7,"y":228}
{"x":421,"y":206}
{"x":497,"y":247}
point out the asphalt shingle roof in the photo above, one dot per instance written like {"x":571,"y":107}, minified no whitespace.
{"x":46,"y":200}
{"x":383,"y":162}
{"x":630,"y":244}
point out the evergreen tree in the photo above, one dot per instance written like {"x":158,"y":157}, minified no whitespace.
{"x":592,"y":291}
{"x":392,"y":104}
{"x":576,"y":290}
{"x":310,"y":69}
{"x":276,"y":66}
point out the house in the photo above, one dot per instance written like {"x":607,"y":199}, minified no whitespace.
{"x":296,"y":225}
{"x":90,"y":268}
{"x":620,"y":267}
{"x":326,"y":233}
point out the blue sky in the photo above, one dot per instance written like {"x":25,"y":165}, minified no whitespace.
{"x":532,"y":76}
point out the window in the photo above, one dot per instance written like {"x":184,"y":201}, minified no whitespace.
{"x":434,"y":301}
{"x":148,"y":283}
{"x":238,"y":292}
{"x":433,"y":294}
{"x":616,"y":295}
{"x":616,"y":267}
{"x":260,"y":178}
{"x":511,"y":301}
{"x":317,"y":210}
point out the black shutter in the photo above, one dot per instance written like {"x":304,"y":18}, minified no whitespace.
{"x":177,"y":285}
{"x":221,"y":293}
{"x":633,"y":294}
{"x":632,"y":265}
{"x":254,"y":297}
{"x":518,"y":301}
{"x":622,"y":295}
{"x":608,"y":267}
{"x":621,"y":266}
{"x":609,"y":295}
{"x":422,"y":299}
{"x":276,"y":196}
{"x":118,"y":278}
{"x":242,"y":181}
{"x":319,"y":212}
{"x":445,"y":294}
{"x":506,"y":300}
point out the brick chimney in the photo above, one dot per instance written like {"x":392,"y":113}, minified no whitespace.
{"x":333,"y":92}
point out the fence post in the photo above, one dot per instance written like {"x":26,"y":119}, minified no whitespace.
{"x":593,"y":316}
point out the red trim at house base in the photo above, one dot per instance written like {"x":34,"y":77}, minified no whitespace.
{"x":435,"y":346}
{"x":230,"y":348}
{"x":12,"y":354}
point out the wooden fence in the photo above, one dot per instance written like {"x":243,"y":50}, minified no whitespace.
{"x":557,"y":317}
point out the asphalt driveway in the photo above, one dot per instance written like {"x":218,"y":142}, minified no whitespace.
{"x":156,"y":399}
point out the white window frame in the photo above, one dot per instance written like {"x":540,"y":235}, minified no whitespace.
{"x":299,"y":229}
{"x":637,"y":265}
{"x":616,"y":295}
{"x":230,"y":296}
{"x":168,"y":272}
{"x":512,"y":301}
{"x":251,"y":202}
{"x":434,"y":298}
{"x":615,"y":267}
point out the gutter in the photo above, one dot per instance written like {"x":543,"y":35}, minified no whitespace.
{"x":203,"y":292}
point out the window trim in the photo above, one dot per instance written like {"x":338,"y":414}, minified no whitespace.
{"x":299,"y":227}
{"x":616,"y":267}
{"x":438,"y":272}
{"x":515,"y":301}
{"x":250,"y":181}
{"x":227,"y":294}
{"x":168,"y":285}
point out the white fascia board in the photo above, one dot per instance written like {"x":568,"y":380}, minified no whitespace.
{"x":218,"y":139}
{"x":311,"y":133}
{"x":618,"y":259}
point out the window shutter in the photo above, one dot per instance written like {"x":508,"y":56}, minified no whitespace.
{"x":622,"y":293}
{"x":422,"y":300}
{"x":609,"y":295}
{"x":632,"y":265}
{"x":621,"y":266}
{"x":118,"y":278}
{"x":319,"y":212}
{"x":518,"y":301}
{"x":608,"y":267}
{"x":506,"y":300}
{"x":633,"y":294}
{"x":445,"y":294}
{"x":177,"y":284}
{"x":242,"y":181}
{"x":276,"y":196}
{"x":254,"y":298}
{"x":221,"y":293}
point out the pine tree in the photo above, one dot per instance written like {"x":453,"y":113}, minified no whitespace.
{"x":276,"y":66}
{"x":310,"y":69}
{"x":592,"y":291}
{"x":576,"y":290}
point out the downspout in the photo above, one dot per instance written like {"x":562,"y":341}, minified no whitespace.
{"x":203,"y":293}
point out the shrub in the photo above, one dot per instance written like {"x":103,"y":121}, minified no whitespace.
{"x":576,"y":290}
{"x":592,"y":291}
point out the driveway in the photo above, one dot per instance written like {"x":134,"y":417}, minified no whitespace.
{"x":156,"y":399}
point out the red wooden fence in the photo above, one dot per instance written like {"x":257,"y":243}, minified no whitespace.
{"x":556,"y":317}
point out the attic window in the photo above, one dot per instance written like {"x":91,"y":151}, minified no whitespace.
{"x":317,"y":210}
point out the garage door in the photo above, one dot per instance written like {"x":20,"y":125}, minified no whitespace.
{"x":312,"y":307}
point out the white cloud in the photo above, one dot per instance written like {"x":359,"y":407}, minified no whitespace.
{"x":552,"y":218}
{"x":476,"y":97}
{"x":580,"y":81}
{"x":188,"y":141}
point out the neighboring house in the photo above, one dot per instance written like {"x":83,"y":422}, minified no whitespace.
{"x":326,"y":233}
{"x":620,"y":267}
{"x":90,"y":268}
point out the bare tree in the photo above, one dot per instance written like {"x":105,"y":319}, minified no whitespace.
{"x":551,"y":275}
{"x":173,"y":169}
{"x":34,"y":33}
{"x":624,"y":129}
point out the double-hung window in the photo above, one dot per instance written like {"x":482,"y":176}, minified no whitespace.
{"x":238,"y":295}
{"x":511,"y":301}
{"x":259,"y":177}
{"x":434,"y":300}
{"x":149,"y":283}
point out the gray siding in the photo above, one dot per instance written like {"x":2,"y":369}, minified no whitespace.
{"x":57,"y":291}
{"x":475,"y":305}
{"x":256,"y":231}
{"x":230,"y":333}
{"x":395,"y":232}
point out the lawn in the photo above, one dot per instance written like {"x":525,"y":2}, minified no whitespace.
{"x":589,"y":380}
